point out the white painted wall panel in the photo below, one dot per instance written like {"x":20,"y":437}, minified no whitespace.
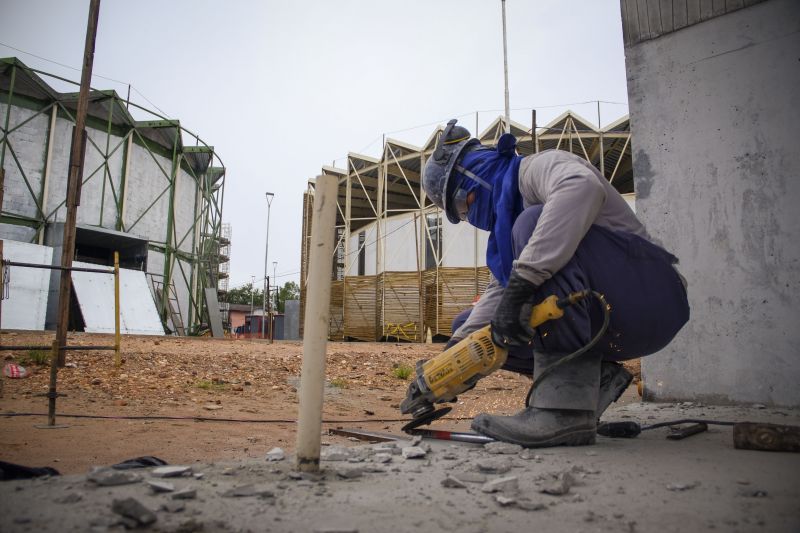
{"x":100,"y":180}
{"x":26,"y":306}
{"x":95,"y":294}
{"x":401,"y":255}
{"x":29,"y":153}
{"x":458,"y":245}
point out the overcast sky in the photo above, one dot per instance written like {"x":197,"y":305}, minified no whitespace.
{"x":280,"y":88}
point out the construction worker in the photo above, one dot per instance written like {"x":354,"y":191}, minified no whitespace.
{"x":556,"y":226}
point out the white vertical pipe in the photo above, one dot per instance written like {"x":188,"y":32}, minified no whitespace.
{"x":315,"y":339}
{"x":505,"y":70}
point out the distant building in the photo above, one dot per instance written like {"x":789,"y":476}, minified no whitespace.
{"x":151,"y":190}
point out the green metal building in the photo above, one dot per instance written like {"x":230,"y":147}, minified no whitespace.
{"x":151,"y":189}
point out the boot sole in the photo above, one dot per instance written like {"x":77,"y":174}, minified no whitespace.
{"x":573,"y":437}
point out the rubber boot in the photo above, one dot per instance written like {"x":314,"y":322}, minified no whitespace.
{"x":563,"y":406}
{"x":614,"y":379}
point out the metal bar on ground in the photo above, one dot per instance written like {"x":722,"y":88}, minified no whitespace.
{"x":369,"y":436}
{"x":474,"y":438}
{"x":317,"y":316}
{"x":51,"y":392}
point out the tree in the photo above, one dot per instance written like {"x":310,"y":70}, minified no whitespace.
{"x":289,"y":291}
{"x":243,"y":295}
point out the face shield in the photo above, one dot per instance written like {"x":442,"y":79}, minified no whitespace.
{"x":468,"y":183}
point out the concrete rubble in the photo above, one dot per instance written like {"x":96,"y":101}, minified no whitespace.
{"x":639,"y":484}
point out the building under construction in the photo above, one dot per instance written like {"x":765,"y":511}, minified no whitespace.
{"x":150,"y":189}
{"x":401,"y":271}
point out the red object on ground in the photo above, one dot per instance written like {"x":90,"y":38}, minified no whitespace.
{"x":14,"y":371}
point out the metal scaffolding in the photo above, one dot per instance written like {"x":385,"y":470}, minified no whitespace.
{"x":191,"y":254}
{"x":406,"y":304}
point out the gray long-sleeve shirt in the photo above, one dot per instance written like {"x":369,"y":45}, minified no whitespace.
{"x":574,"y":195}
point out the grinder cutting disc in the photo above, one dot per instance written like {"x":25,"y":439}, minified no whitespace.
{"x":426,"y":419}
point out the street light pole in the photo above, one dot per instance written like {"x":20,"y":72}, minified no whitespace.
{"x":505,"y":69}
{"x":275,"y":282}
{"x":270,"y":196}
{"x":252,"y":297}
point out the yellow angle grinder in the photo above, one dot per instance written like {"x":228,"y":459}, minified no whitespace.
{"x":458,"y":368}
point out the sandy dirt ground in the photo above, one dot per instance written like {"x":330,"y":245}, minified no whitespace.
{"x":202,"y":377}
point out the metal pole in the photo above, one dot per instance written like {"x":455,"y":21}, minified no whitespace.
{"x":73,"y":188}
{"x":312,"y":376}
{"x":117,"y":340}
{"x":275,"y":281}
{"x":252,"y":297}
{"x":55,"y":353}
{"x":264,"y":298}
{"x":505,"y":69}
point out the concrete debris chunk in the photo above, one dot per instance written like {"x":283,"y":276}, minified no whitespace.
{"x":336,"y":453}
{"x":132,"y":509}
{"x":171,"y":471}
{"x":680,"y":487}
{"x":185,"y":494}
{"x":414,"y":452}
{"x":276,"y":454}
{"x":501,"y":484}
{"x":173,"y":506}
{"x":502,"y":448}
{"x":494,"y":466}
{"x":247,"y":491}
{"x":560,"y":486}
{"x":349,"y":473}
{"x":335,"y":530}
{"x":470,"y":477}
{"x":528,"y":505}
{"x":106,"y":477}
{"x":505,"y":501}
{"x":382,"y":457}
{"x":452,"y":483}
{"x":160,"y":486}
{"x":416,"y":440}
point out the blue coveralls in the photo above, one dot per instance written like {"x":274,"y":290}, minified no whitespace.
{"x":647,"y":297}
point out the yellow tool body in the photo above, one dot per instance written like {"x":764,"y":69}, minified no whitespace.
{"x":458,"y":368}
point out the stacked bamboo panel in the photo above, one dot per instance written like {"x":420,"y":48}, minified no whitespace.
{"x":447,"y":291}
{"x":360,"y":308}
{"x":399,"y":297}
{"x":336,"y":321}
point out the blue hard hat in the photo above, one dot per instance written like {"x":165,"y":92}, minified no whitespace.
{"x":437,"y":180}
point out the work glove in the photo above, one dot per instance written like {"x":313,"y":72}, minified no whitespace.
{"x":511,"y":323}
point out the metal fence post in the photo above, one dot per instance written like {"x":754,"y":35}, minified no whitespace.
{"x":117,"y":358}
